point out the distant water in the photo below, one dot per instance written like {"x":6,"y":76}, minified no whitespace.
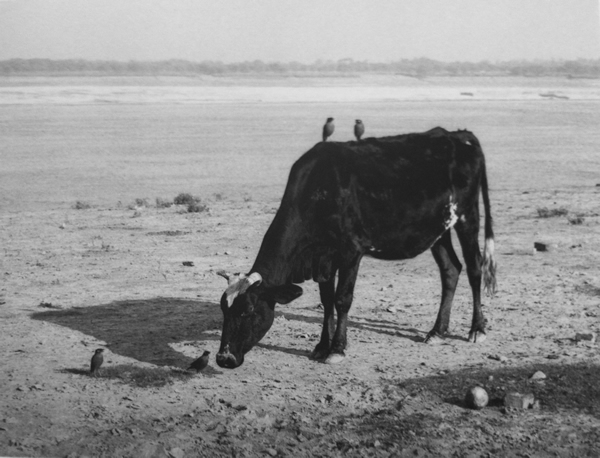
{"x":85,"y":95}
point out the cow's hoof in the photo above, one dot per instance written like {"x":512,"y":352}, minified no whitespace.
{"x":319,"y":355}
{"x":477,"y":337}
{"x":335,"y":358}
{"x":433,"y":339}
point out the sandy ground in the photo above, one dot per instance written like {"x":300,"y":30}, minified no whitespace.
{"x":112,"y":276}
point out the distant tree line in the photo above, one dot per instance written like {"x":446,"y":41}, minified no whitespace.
{"x":420,"y":68}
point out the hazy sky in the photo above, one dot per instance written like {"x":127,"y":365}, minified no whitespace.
{"x":300,"y":30}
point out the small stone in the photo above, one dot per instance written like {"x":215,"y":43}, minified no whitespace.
{"x":500,"y":358}
{"x":176,"y":453}
{"x":392,"y":309}
{"x":519,"y":401}
{"x":539,"y":375}
{"x":587,"y":336}
{"x":271,"y":451}
{"x":476,"y":398}
{"x":188,"y":263}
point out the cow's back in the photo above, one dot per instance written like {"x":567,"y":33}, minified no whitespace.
{"x":392,"y":197}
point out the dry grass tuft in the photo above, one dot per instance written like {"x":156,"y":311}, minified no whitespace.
{"x":545,"y":212}
{"x":163,"y":203}
{"x":194,"y":204}
{"x":81,"y":205}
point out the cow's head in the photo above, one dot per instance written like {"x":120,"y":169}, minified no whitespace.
{"x":248,"y":312}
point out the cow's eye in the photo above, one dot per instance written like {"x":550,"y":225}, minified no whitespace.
{"x":249,"y":310}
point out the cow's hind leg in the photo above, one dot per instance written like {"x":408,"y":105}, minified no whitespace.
{"x":450,"y":268}
{"x":327,"y":292}
{"x":467,"y":230}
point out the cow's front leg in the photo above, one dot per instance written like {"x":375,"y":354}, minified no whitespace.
{"x":327,"y":292}
{"x":343,"y":301}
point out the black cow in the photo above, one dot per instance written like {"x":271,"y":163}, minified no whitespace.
{"x":389,"y":198}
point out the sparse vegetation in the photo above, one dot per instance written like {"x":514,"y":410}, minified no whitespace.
{"x":575,"y":220}
{"x":143,"y":377}
{"x":545,"y":212}
{"x":194,"y":204}
{"x":185,"y":199}
{"x":197,"y":207}
{"x":163,"y":203}
{"x":142,"y":202}
{"x":81,"y":205}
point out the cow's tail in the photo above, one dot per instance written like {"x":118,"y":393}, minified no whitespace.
{"x":488,"y":262}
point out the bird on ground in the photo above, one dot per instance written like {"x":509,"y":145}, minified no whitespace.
{"x":97,"y":361}
{"x":201,"y":363}
{"x":328,"y":129}
{"x":359,"y":129}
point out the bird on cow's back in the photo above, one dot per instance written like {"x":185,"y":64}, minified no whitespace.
{"x":359,"y":129}
{"x":97,"y":360}
{"x":328,"y":129}
{"x":201,"y":363}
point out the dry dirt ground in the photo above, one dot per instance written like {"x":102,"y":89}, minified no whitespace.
{"x":112,"y":276}
{"x":393,"y":396}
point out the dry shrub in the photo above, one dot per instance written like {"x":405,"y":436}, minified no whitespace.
{"x":197,"y":207}
{"x":142,"y":202}
{"x":81,"y":205}
{"x":185,"y":199}
{"x":194,"y":204}
{"x":545,"y":212}
{"x":163,"y":203}
{"x":578,"y":219}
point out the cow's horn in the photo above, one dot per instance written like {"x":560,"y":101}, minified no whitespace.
{"x":254,"y":277}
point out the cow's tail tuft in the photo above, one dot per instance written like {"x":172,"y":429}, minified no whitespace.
{"x":488,"y":263}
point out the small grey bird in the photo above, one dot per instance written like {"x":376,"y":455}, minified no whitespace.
{"x":359,"y":129}
{"x":97,"y":361}
{"x":328,"y":129}
{"x":201,"y":363}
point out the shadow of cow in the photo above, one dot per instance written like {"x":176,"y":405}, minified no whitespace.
{"x":143,"y":329}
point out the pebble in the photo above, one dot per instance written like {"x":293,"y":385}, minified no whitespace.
{"x":176,"y":453}
{"x":500,"y":358}
{"x":539,"y":375}
{"x":587,"y":336}
{"x":519,"y":401}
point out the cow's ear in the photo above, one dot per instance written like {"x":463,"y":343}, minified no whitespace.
{"x":282,"y":294}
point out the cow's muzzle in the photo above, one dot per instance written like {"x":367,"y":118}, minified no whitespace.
{"x":227,"y":360}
